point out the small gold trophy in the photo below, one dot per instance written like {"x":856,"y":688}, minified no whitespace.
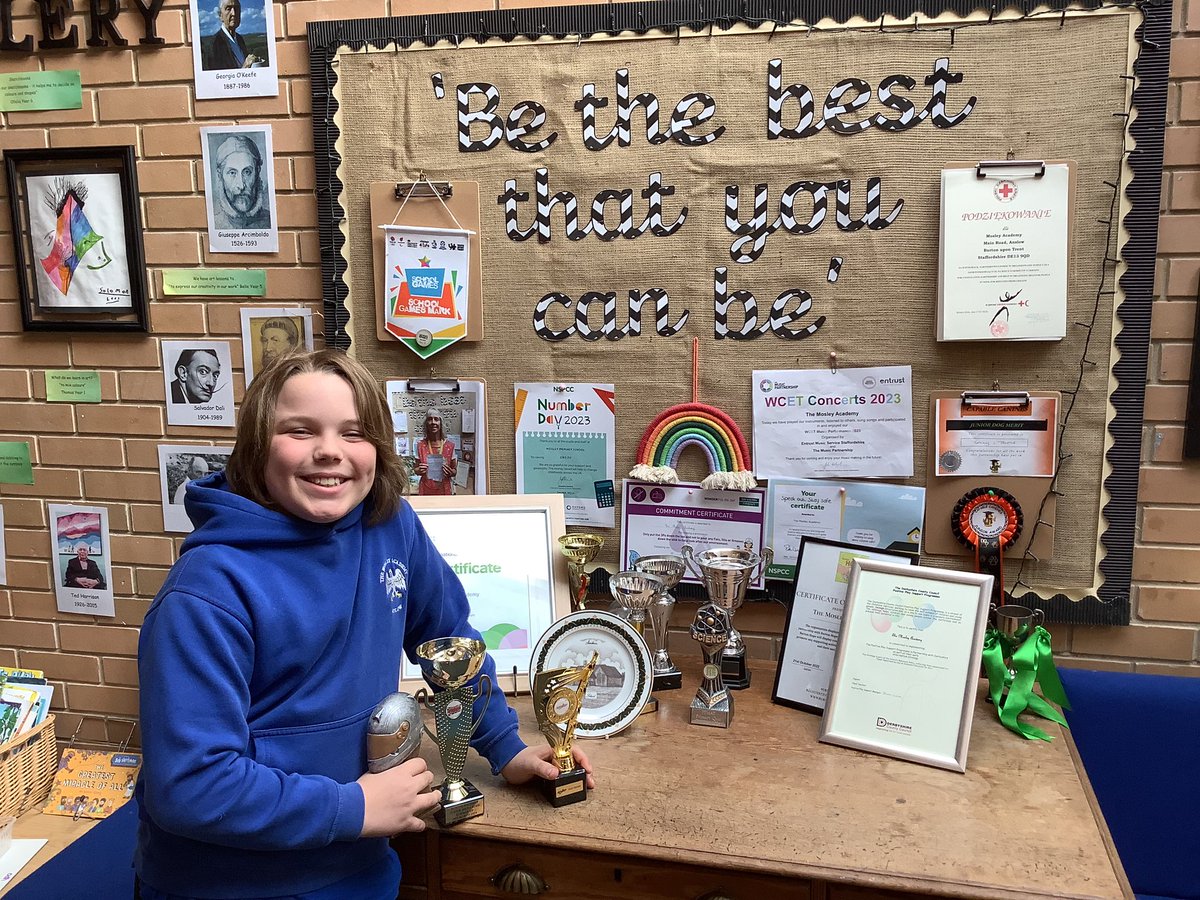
{"x":557,"y":697}
{"x":449,"y":663}
{"x":579,"y":549}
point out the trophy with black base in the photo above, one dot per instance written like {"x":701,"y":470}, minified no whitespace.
{"x":670,"y":569}
{"x":713,"y":704}
{"x":557,"y":697}
{"x":726,"y":573}
{"x":449,"y":663}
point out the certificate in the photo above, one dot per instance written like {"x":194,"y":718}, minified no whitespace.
{"x":870,"y":514}
{"x":662,"y":518}
{"x":820,"y":423}
{"x":907,"y":664}
{"x":504,"y":550}
{"x":981,"y":436}
{"x":1004,"y":256}
{"x":815,"y":620}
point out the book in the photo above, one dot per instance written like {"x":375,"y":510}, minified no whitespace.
{"x":91,"y":784}
{"x":18,"y":706}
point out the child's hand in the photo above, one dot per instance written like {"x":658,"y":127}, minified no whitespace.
{"x":536,"y":762}
{"x":395,"y":800}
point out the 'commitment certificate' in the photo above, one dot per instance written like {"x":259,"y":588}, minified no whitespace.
{"x":907,"y":662}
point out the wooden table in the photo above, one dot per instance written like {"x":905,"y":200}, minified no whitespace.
{"x":59,"y":832}
{"x":763,"y":810}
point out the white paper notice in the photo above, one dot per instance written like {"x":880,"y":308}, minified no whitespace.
{"x":817,"y":423}
{"x":82,"y":559}
{"x":21,"y":851}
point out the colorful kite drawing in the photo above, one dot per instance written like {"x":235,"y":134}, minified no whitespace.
{"x":73,"y":233}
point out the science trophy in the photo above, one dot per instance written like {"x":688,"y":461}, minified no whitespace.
{"x":635,"y":591}
{"x":449,"y":663}
{"x":726,"y":573}
{"x":670,"y":569}
{"x":713,"y":704}
{"x":393,"y":731}
{"x":557,"y":698}
{"x":579,"y":549}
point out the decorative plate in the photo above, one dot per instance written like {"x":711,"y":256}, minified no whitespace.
{"x":621,"y":683}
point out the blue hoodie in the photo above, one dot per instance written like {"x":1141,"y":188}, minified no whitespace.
{"x":260,"y":661}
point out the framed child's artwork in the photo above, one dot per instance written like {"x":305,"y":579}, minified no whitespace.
{"x":77,"y":236}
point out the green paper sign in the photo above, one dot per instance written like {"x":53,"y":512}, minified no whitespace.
{"x":21,"y":91}
{"x":215,"y":282}
{"x":69,"y":386}
{"x":14,"y":463}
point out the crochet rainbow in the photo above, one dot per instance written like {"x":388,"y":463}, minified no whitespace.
{"x":700,"y":425}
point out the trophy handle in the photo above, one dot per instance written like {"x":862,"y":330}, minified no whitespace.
{"x":690,"y":562}
{"x":765,"y":559}
{"x":479,"y":718}
{"x":1039,"y":618}
{"x":423,"y":699}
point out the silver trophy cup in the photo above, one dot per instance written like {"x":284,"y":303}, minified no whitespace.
{"x":726,"y":573}
{"x":670,"y":569}
{"x":636,"y":591}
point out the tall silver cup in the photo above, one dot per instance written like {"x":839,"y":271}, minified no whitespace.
{"x":635,"y":591}
{"x":670,"y":569}
{"x":726,"y":573}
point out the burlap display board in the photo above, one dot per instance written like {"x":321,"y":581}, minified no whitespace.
{"x":1043,"y":89}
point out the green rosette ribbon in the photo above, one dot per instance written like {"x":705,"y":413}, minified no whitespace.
{"x":1012,"y":691}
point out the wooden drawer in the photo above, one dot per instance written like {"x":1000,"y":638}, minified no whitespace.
{"x":468,"y":866}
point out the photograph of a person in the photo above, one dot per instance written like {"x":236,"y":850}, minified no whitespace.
{"x":436,"y":464}
{"x":199,"y":382}
{"x":438,"y":435}
{"x":178,"y":466}
{"x":268,"y":334}
{"x":233,"y":49}
{"x":79,"y":539}
{"x":239,"y":190}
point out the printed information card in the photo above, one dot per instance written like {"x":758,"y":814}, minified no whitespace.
{"x":565,"y":445}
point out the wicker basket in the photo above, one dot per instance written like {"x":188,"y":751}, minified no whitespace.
{"x":27,"y":766}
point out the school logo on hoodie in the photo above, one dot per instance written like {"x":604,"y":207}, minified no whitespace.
{"x":394,"y":578}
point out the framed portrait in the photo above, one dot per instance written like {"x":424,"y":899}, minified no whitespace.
{"x":77,"y":237}
{"x":814,"y":619}
{"x":239,"y":189}
{"x":82,"y":559}
{"x":198,"y":381}
{"x":504,"y":549}
{"x":268,"y":334}
{"x":906,"y":673}
{"x":233,"y":49}
{"x":440,"y":428}
{"x":179,"y":464}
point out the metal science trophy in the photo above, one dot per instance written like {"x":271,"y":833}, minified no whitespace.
{"x":393,"y":731}
{"x":670,"y":569}
{"x":579,"y":549}
{"x":635,"y":591}
{"x":713,"y":704}
{"x":726,"y":573}
{"x":449,"y":663}
{"x":557,"y":698}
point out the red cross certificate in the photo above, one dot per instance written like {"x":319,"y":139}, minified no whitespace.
{"x":425,"y":286}
{"x":1004,"y":252}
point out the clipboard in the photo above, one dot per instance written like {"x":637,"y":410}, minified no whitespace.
{"x":425,"y":208}
{"x":943,"y":492}
{"x":1003,"y":265}
{"x":472,"y":418}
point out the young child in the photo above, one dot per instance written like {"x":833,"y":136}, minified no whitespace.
{"x":306,"y":578}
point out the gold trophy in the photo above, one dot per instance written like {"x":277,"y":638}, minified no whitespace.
{"x":579,"y":549}
{"x":557,"y":697}
{"x":449,"y":663}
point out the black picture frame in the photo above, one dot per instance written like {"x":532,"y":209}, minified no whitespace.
{"x":807,"y":542}
{"x":51,"y":222}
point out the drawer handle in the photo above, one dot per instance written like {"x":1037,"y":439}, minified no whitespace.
{"x":715,"y":895}
{"x":519,"y":879}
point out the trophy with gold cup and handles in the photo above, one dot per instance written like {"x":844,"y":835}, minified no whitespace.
{"x":449,"y":663}
{"x":557,"y":699}
{"x":726,"y":572}
{"x":579,"y":549}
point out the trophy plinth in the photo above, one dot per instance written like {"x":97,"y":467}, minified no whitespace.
{"x":670,"y":569}
{"x":713,"y":704}
{"x":557,"y":698}
{"x":579,"y":549}
{"x":726,"y":573}
{"x":449,"y":663}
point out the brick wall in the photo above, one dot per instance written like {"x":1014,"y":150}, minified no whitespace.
{"x":107,"y":454}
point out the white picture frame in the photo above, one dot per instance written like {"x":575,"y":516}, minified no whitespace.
{"x":513,"y":539}
{"x":906,"y":674}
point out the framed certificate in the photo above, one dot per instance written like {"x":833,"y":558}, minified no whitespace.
{"x":907,"y":663}
{"x":504,"y":549}
{"x":814,"y":621}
